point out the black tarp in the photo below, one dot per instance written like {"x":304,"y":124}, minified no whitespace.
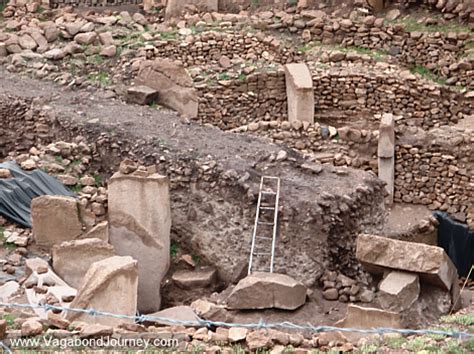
{"x":458,"y":242}
{"x":16,"y":193}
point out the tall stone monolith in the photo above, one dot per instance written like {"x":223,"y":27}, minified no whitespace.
{"x":140,"y":223}
{"x":299,"y":92}
{"x":386,"y":154}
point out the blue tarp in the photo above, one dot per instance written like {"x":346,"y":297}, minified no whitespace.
{"x":16,"y":193}
{"x":458,"y":242}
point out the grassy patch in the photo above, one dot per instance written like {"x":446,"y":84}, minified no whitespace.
{"x":95,"y":59}
{"x":427,"y":74}
{"x":242,"y":77}
{"x":76,"y":188}
{"x":224,"y":76}
{"x":2,"y":233}
{"x":174,"y":248}
{"x":412,"y":25}
{"x":308,"y":46}
{"x":169,"y":35}
{"x":395,"y":342}
{"x":10,"y":319}
{"x":101,"y":78}
{"x":463,"y":320}
{"x":98,"y":180}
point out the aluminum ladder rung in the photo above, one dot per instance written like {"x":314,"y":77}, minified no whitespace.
{"x":260,"y":243}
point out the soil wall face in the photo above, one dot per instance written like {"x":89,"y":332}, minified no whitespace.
{"x":213,"y":204}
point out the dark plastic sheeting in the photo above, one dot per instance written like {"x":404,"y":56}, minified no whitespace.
{"x":16,"y":193}
{"x":458,"y":242}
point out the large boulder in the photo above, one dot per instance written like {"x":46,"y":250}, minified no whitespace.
{"x":55,"y":219}
{"x":398,"y":291}
{"x":378,"y":253}
{"x":72,"y":259}
{"x":109,"y":285}
{"x":173,"y":83}
{"x":266,"y":291}
{"x":140,"y":224}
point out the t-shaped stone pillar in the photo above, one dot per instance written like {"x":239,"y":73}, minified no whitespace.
{"x":299,"y":92}
{"x":386,"y":153}
{"x":140,"y":223}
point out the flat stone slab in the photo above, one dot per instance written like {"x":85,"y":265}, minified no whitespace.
{"x":199,"y":278}
{"x":299,"y":92}
{"x":265,"y":291}
{"x":367,"y":317}
{"x":378,"y":253}
{"x":179,"y":313}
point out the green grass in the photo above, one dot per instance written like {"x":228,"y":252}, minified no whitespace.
{"x":427,"y":74}
{"x":101,"y":78}
{"x":169,"y":35}
{"x":95,"y":59}
{"x":2,"y":233}
{"x":394,"y":342}
{"x":469,"y":345}
{"x":9,"y":246}
{"x":174,"y":248}
{"x":58,"y":159}
{"x":224,"y":76}
{"x":242,"y":77}
{"x":196,"y":258}
{"x":10,"y":319}
{"x":98,"y":180}
{"x":76,"y":188}
{"x":412,"y":25}
{"x":463,"y":320}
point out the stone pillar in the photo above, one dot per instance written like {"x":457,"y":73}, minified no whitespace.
{"x":299,"y":92}
{"x":140,"y":223}
{"x":386,"y":154}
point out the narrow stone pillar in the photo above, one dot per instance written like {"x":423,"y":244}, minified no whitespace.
{"x":299,"y":92}
{"x":140,"y":223}
{"x":386,"y":154}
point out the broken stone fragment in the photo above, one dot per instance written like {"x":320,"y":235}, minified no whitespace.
{"x":55,"y":219}
{"x":72,"y":259}
{"x":199,"y":278}
{"x":265,"y":291}
{"x":142,"y":95}
{"x":100,"y":231}
{"x":31,"y":327}
{"x":177,"y":313}
{"x":398,"y":291}
{"x":109,"y":285}
{"x":378,"y":253}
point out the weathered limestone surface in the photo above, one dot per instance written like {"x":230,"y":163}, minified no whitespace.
{"x":173,"y":83}
{"x":267,"y":290}
{"x":72,"y":260}
{"x":55,"y":219}
{"x":109,"y":285}
{"x":386,"y":154}
{"x":175,"y":7}
{"x":140,"y":223}
{"x":141,"y":95}
{"x":299,"y":91}
{"x":399,"y":290}
{"x":377,"y":253}
{"x":367,"y":317}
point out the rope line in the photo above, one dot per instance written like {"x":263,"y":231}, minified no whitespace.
{"x":260,"y":325}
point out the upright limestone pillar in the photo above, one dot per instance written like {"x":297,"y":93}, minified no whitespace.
{"x":386,"y":154}
{"x":140,"y":223}
{"x":299,"y":92}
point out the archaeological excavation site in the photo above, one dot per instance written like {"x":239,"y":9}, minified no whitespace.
{"x":242,"y":176}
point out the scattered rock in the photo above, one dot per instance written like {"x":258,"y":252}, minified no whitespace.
{"x":267,"y":290}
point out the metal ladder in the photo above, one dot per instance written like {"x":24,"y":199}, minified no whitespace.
{"x":266,"y":221}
